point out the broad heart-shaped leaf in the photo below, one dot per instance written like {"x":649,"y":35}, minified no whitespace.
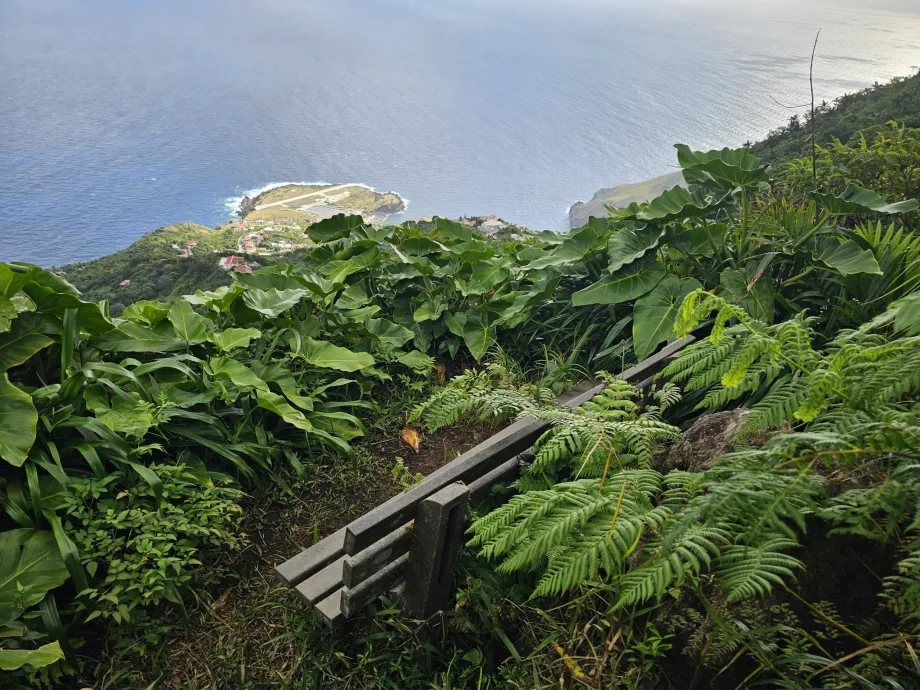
{"x":845,"y":257}
{"x":235,"y":372}
{"x":453,"y":230}
{"x":629,"y":244}
{"x":232,"y":338}
{"x":30,"y":566}
{"x":478,"y":333}
{"x":582,"y":242}
{"x":132,"y":337}
{"x":389,"y":334}
{"x":146,"y":312}
{"x":430,"y":310}
{"x":187,"y":325}
{"x":18,"y":420}
{"x":219,"y":300}
{"x":856,"y":200}
{"x":47,"y":654}
{"x":27,"y":335}
{"x":93,"y":319}
{"x":415,"y":360}
{"x":628,"y":283}
{"x":455,"y":323}
{"x":487,"y":274}
{"x":354,"y":296}
{"x":725,"y":168}
{"x":14,"y":276}
{"x":754,"y":293}
{"x":334,"y":228}
{"x":125,"y":414}
{"x":272,"y":303}
{"x":320,"y":353}
{"x":696,"y":240}
{"x":674,"y":204}
{"x":277,"y":404}
{"x":282,"y":378}
{"x":521,"y":309}
{"x":653,"y":317}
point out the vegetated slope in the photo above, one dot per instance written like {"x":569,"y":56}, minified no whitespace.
{"x":864,"y":112}
{"x":154,"y":267}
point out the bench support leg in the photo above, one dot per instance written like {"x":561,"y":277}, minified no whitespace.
{"x":439,"y":527}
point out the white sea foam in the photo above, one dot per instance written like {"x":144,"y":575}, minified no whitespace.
{"x":233,"y":203}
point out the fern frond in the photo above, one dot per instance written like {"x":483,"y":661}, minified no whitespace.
{"x":751,"y":571}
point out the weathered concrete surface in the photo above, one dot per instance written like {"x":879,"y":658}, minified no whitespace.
{"x":330,"y":609}
{"x":322,"y":583}
{"x":381,"y":582}
{"x":365,"y":563}
{"x":708,"y":439}
{"x":439,"y":527}
{"x":297,"y":569}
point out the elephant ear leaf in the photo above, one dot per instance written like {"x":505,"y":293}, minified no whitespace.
{"x":321,"y":353}
{"x":630,"y":244}
{"x":334,"y":228}
{"x":753,"y":292}
{"x":725,"y":168}
{"x":47,"y":654}
{"x":18,"y":420}
{"x":845,"y":257}
{"x":654,"y":315}
{"x":272,"y":302}
{"x":30,"y":565}
{"x":189,"y":326}
{"x":856,"y":200}
{"x":628,"y":283}
{"x":478,"y":333}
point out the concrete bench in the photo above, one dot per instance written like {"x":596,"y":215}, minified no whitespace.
{"x":411,"y":541}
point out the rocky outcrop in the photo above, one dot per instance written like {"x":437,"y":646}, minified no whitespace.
{"x":708,"y":439}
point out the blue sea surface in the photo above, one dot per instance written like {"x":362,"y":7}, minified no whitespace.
{"x":118,"y":117}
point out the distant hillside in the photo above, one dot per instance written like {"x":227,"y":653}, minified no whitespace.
{"x":622,"y":195}
{"x":154,"y":266}
{"x":863,"y":112}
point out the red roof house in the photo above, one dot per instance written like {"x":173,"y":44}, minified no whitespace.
{"x":124,"y":283}
{"x":229,"y":262}
{"x":243,"y":269}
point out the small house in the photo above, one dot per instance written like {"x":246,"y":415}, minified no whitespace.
{"x":124,"y":283}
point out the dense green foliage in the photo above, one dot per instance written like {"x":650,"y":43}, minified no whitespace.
{"x":126,"y":444}
{"x":861,"y":113}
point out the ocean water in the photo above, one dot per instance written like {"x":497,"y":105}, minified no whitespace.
{"x":119,"y":117}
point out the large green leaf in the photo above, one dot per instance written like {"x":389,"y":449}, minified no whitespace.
{"x":8,"y":312}
{"x":324,"y":354}
{"x":353,"y":297}
{"x":30,"y":566}
{"x":856,"y":200}
{"x":696,"y":240}
{"x":725,"y":168}
{"x":575,"y":248}
{"x":132,"y":337}
{"x":188,"y":326}
{"x":430,"y":310}
{"x":149,"y":313}
{"x":272,"y":303}
{"x":454,"y":230}
{"x":232,"y":338}
{"x":653,"y":317}
{"x":522,"y":307}
{"x":389,"y":334}
{"x":478,"y":333}
{"x":27,"y":335}
{"x":628,"y":244}
{"x":674,"y":204}
{"x":237,"y":373}
{"x":47,"y":654}
{"x":487,"y":274}
{"x":47,"y":299}
{"x":845,"y":257}
{"x":277,"y":404}
{"x":219,"y":300}
{"x":753,"y":292}
{"x":628,"y":283}
{"x":124,"y":414}
{"x":14,"y":276}
{"x":18,"y":420}
{"x":334,"y":228}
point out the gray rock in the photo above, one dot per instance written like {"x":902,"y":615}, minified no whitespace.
{"x":708,"y":439}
